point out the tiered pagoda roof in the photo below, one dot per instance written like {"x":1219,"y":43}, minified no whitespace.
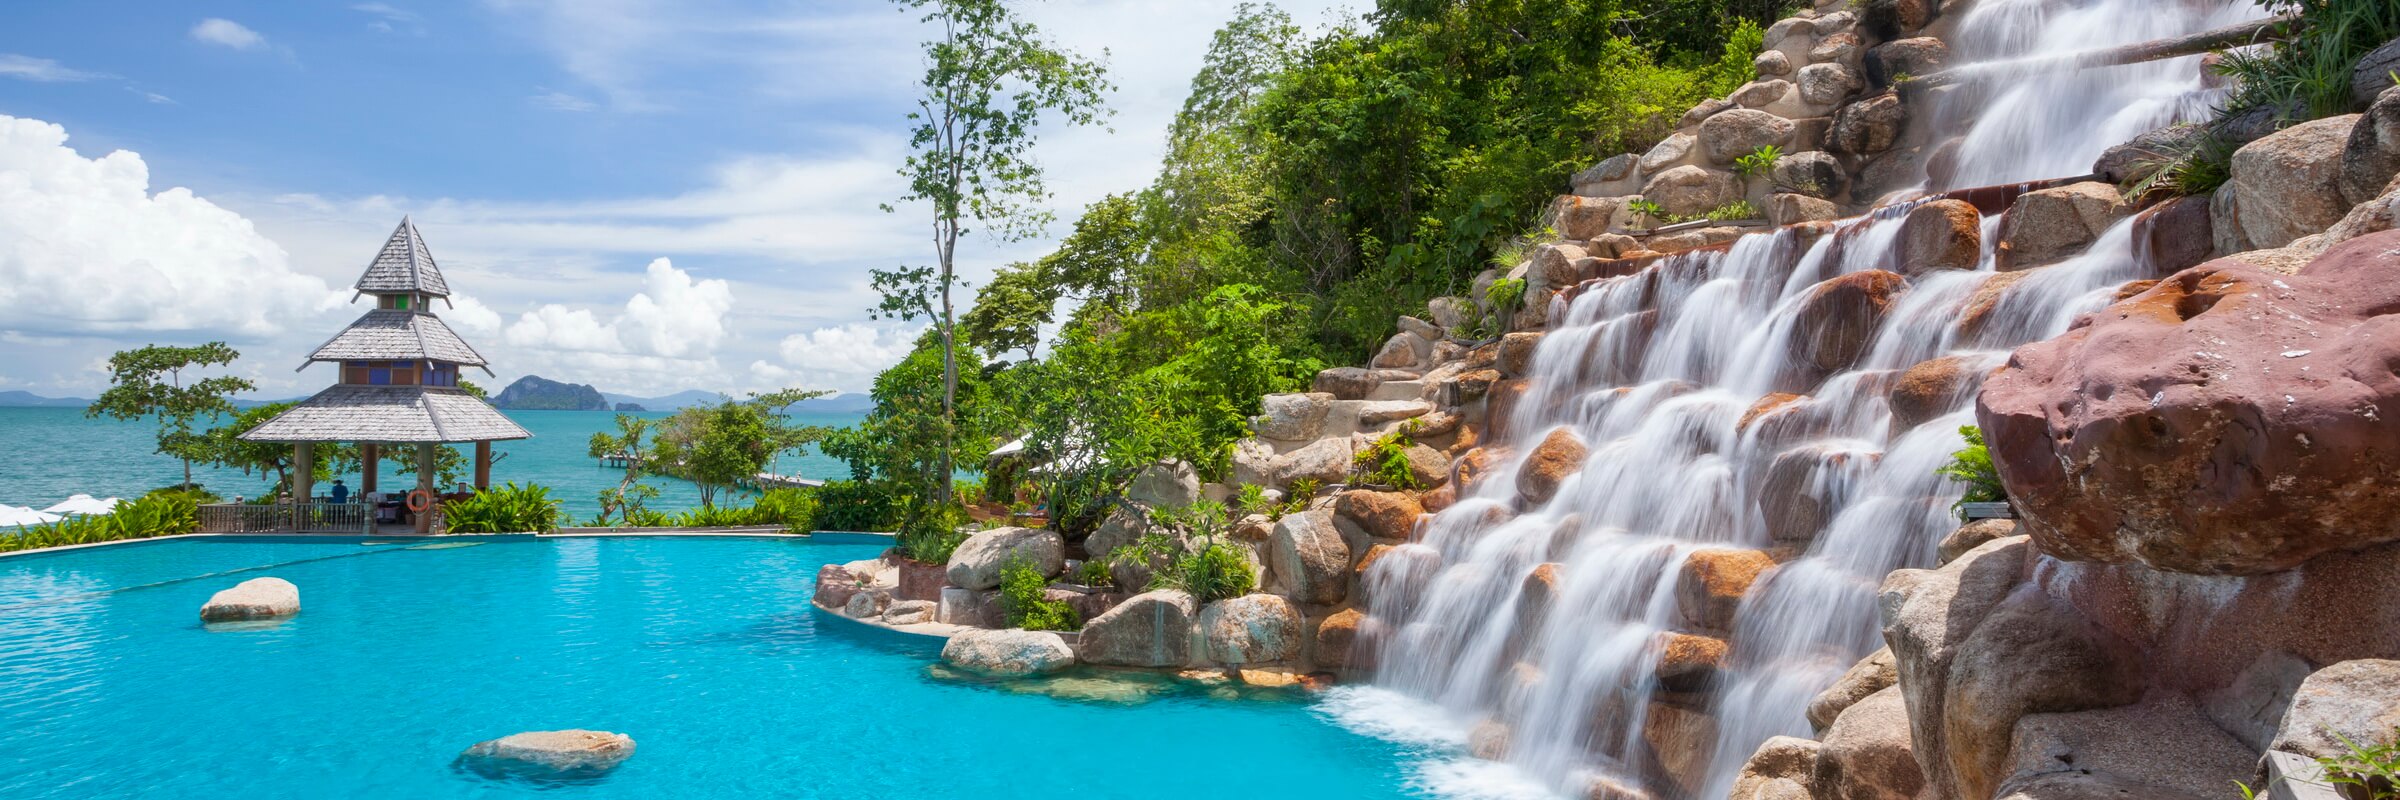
{"x":399,"y":366}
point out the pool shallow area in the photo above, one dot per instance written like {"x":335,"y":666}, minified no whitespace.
{"x":704,"y":650}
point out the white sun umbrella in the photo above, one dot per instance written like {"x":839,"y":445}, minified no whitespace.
{"x":19,"y":516}
{"x":83,"y":504}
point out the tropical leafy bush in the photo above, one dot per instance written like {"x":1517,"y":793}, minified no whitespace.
{"x":1972,"y":465}
{"x":1022,"y":599}
{"x":1758,"y":162}
{"x":1197,"y":559}
{"x":856,"y":506}
{"x":506,"y":509}
{"x":1385,"y":461}
{"x":931,"y":533}
{"x":1095,"y":573}
{"x":165,"y":512}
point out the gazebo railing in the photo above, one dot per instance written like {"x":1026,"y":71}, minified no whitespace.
{"x":357,"y":518}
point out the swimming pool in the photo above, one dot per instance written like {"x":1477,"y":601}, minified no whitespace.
{"x":704,"y":650}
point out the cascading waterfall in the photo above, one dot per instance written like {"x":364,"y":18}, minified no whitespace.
{"x":1668,"y":375}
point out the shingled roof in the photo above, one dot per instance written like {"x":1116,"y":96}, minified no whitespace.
{"x":403,"y":266}
{"x":352,"y":413}
{"x":395,"y":334}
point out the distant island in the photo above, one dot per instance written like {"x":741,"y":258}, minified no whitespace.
{"x":630,"y":408}
{"x":536,"y":393}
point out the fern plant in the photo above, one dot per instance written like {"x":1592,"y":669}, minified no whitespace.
{"x":507,"y":509}
{"x":1972,"y":465}
{"x":1385,"y":461}
{"x":1758,"y":162}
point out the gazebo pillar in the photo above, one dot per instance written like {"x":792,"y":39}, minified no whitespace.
{"x":483,"y":465}
{"x":424,"y":519}
{"x":368,"y":454}
{"x":304,"y":471}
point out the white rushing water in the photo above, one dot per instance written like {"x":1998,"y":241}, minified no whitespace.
{"x":1656,"y":372}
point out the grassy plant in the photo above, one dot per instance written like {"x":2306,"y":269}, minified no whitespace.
{"x":1758,"y":162}
{"x":930,"y":535}
{"x":1023,"y":599}
{"x":1385,"y":461}
{"x":2307,"y":76}
{"x":1298,"y":496}
{"x":507,"y":509}
{"x":1094,"y":573}
{"x":1736,"y":210}
{"x":1972,"y":465}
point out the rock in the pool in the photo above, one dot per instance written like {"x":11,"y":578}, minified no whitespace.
{"x":1008,"y":653}
{"x":256,"y":598}
{"x":550,"y":754}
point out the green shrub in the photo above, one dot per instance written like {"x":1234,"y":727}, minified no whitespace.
{"x":2307,"y":75}
{"x":931,"y":534}
{"x":1385,"y":461}
{"x":1094,"y":573}
{"x":1758,"y":162}
{"x":856,"y":506}
{"x":507,"y":509}
{"x":165,"y":512}
{"x":1972,"y":465}
{"x":1298,"y":496}
{"x":1736,"y":210}
{"x":1022,"y":599}
{"x":794,"y":509}
{"x":1214,"y":572}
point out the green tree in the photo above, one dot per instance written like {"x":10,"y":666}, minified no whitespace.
{"x":990,"y":79}
{"x":721,"y":444}
{"x":224,"y":446}
{"x":148,"y":382}
{"x":1010,"y":310}
{"x":630,"y":492}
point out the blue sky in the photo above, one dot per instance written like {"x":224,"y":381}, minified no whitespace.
{"x":650,"y":195}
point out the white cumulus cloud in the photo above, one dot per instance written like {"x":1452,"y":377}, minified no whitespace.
{"x":845,"y":357}
{"x":86,"y":248}
{"x":227,"y":33}
{"x":674,"y":317}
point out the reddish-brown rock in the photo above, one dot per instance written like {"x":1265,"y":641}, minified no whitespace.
{"x":1500,"y":403}
{"x":1559,"y":455}
{"x":1383,"y":515}
{"x":1943,"y":234}
{"x":1976,"y":313}
{"x":1926,"y":390}
{"x":1710,"y":586}
{"x":920,"y":581}
{"x":1772,"y":403}
{"x":1337,"y":638}
{"x":1836,"y":321}
{"x":1801,"y":486}
{"x":1688,"y":662}
{"x":2226,"y":421}
{"x":2173,"y":236}
{"x":1516,"y":353}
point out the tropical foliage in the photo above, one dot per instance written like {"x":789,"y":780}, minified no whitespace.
{"x":1024,"y":601}
{"x":148,"y":382}
{"x":504,"y":509}
{"x":165,"y":512}
{"x":1972,"y":465}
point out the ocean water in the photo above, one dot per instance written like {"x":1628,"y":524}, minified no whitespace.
{"x":705,"y":651}
{"x":55,"y":452}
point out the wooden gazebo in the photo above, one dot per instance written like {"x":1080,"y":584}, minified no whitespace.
{"x":398,"y":384}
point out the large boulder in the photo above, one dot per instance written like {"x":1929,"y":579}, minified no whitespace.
{"x":2048,"y":225}
{"x":2284,"y":186}
{"x":2371,"y":156}
{"x":1307,"y":559}
{"x":1737,"y":133}
{"x":1787,"y":208}
{"x":2161,"y":749}
{"x":1008,"y":653}
{"x":1803,"y":489}
{"x":910,"y":612}
{"x":1890,"y":62}
{"x":1122,"y":526}
{"x":1668,"y":152}
{"x":2173,"y":236}
{"x":2357,"y":700}
{"x":1346,"y":383}
{"x":256,"y":598}
{"x":1166,"y":484}
{"x":1580,"y":218}
{"x":977,"y":562}
{"x":1781,"y":769}
{"x":1868,"y":126}
{"x":1972,"y":535}
{"x":1691,"y":190}
{"x":1250,"y":629}
{"x":1151,"y":629}
{"x":1337,"y":637}
{"x":1593,"y":182}
{"x":549,"y":755}
{"x":1711,"y":583}
{"x":1383,"y":515}
{"x":1815,"y":173}
{"x":1403,"y":351}
{"x":1689,"y":662}
{"x":2143,"y":155}
{"x":1326,"y":461}
{"x":1928,"y":615}
{"x":2223,"y":422}
{"x":1560,"y":455}
{"x":1875,"y":673}
{"x":1943,"y":234}
{"x":2371,"y":77}
{"x":1836,"y":321}
{"x":1929,"y":389}
{"x":1825,"y":85}
{"x":1867,"y":753}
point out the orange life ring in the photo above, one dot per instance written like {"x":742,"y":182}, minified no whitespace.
{"x":418,"y":500}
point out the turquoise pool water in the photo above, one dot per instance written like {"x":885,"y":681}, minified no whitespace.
{"x":59,"y":452}
{"x":704,"y":650}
